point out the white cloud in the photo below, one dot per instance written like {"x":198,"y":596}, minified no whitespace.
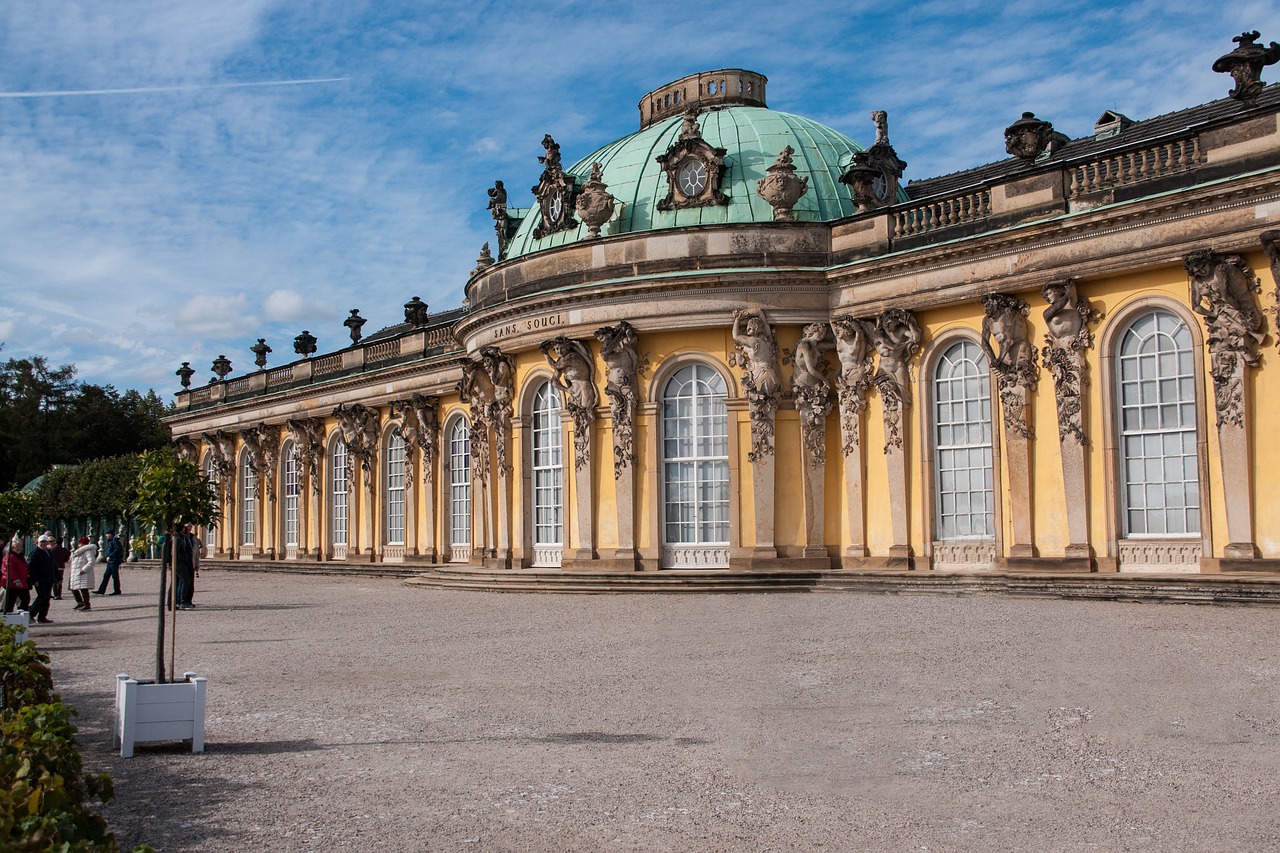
{"x":286,"y":305}
{"x":212,"y":315}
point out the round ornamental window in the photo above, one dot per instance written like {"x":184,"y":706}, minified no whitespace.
{"x":691,"y":177}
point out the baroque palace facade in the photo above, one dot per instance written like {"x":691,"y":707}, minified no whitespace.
{"x":736,"y":340}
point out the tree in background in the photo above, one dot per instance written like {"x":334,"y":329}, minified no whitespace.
{"x":47,"y":419}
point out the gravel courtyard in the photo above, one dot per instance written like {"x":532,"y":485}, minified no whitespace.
{"x":360,"y":714}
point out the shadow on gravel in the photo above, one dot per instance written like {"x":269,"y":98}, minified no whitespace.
{"x":260,"y":747}
{"x":598,"y":737}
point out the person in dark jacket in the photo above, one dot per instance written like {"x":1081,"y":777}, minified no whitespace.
{"x":43,"y":574}
{"x":184,"y":575}
{"x":61,"y":556}
{"x":114,"y":554}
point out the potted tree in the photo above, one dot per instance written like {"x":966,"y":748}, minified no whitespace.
{"x":19,"y":515}
{"x":171,"y":493}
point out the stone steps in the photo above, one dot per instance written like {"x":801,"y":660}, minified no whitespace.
{"x":1233,"y":588}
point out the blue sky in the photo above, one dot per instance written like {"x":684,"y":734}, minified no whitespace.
{"x":192,"y":214}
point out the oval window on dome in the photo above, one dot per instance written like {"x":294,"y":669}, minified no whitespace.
{"x":691,"y":177}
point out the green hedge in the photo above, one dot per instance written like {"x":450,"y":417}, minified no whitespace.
{"x":43,"y":787}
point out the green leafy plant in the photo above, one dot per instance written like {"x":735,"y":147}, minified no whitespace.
{"x":44,"y":791}
{"x":171,"y":492}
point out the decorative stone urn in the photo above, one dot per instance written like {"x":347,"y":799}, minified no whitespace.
{"x":595,"y":206}
{"x":146,"y":712}
{"x":782,"y":189}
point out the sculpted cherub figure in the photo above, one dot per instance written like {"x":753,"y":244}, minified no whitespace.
{"x":853,"y":350}
{"x":574,"y":371}
{"x":1004,"y":321}
{"x":761,"y":351}
{"x":1067,"y":316}
{"x":1222,"y":292}
{"x":808,"y":359}
{"x":897,"y":339}
{"x":618,"y":349}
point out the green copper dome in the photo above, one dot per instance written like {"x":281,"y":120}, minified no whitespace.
{"x":752,"y":137}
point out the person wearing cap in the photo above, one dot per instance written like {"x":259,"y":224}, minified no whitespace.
{"x":82,"y":559}
{"x":114,"y":554}
{"x":43,"y":574}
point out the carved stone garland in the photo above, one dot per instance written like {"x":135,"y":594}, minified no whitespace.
{"x":575,"y":376}
{"x":758,"y":357}
{"x":253,"y":446}
{"x":897,"y":336}
{"x":420,"y":428}
{"x":1222,"y":288}
{"x":270,"y":457}
{"x":853,"y":350}
{"x":1068,"y":317}
{"x":359,"y":425}
{"x":487,"y":385}
{"x":1015,"y":365}
{"x":618,"y":349}
{"x":308,"y":441}
{"x":812,"y":391}
{"x":1271,"y":245}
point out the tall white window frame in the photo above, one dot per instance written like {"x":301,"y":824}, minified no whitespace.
{"x":211,"y":475}
{"x":290,"y":488}
{"x":338,"y":493}
{"x":459,"y":484}
{"x":695,"y":468}
{"x":248,"y":502}
{"x":394,"y":489}
{"x":547,"y":440}
{"x":964,"y":473}
{"x":1157,"y":428}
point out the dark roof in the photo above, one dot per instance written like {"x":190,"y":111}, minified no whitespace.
{"x":1086,"y":147}
{"x":434,"y":321}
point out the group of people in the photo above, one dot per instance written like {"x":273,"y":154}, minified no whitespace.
{"x":48,"y":565}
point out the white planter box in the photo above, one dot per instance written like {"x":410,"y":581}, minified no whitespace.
{"x":151,"y":712}
{"x":22,"y":619}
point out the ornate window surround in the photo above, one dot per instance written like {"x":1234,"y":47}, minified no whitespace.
{"x":971,"y":552}
{"x":247,"y":509}
{"x":336,"y":551}
{"x":522,"y":436}
{"x":288,"y":549}
{"x":391,"y":550}
{"x":209,"y":535}
{"x":652,"y":411}
{"x":449,"y":420}
{"x":1109,"y":338}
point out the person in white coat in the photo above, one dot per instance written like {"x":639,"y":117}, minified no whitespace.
{"x":82,"y":559}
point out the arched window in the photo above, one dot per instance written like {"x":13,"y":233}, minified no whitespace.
{"x":548,"y":478}
{"x":1156,"y":415}
{"x":211,"y":474}
{"x":965,"y":495}
{"x":289,"y":485}
{"x":459,"y":491}
{"x":338,"y":504}
{"x":248,"y":501}
{"x":395,"y":488}
{"x":695,"y":469}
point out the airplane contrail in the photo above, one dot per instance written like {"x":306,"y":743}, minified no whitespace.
{"x":188,"y":88}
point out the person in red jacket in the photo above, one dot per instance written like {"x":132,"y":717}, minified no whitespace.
{"x":14,"y":583}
